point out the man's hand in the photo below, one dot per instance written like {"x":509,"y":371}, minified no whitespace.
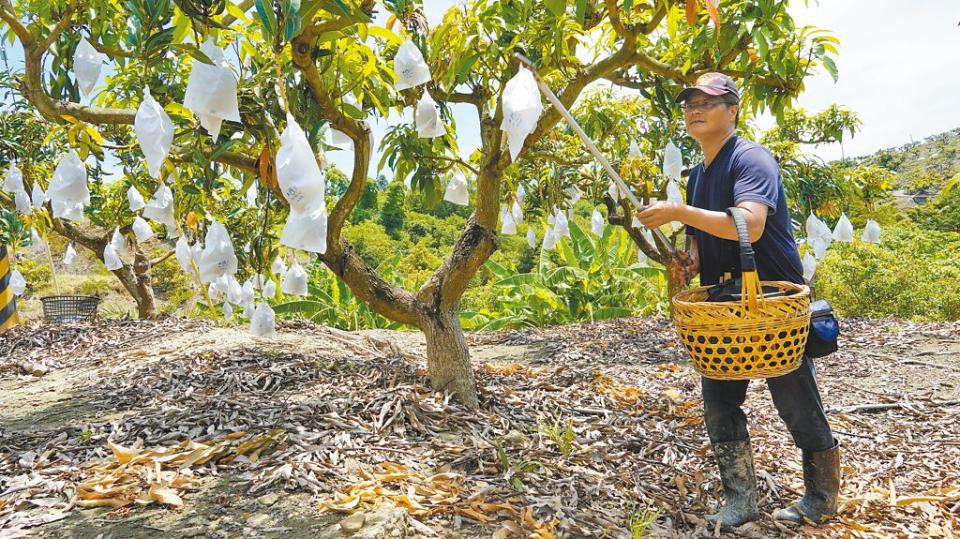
{"x":659,"y":213}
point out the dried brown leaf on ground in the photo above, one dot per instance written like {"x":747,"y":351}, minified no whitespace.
{"x":342,"y":405}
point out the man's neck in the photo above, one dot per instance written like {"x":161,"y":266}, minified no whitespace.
{"x":712,"y":147}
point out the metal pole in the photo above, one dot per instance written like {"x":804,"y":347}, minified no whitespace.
{"x":624,"y":188}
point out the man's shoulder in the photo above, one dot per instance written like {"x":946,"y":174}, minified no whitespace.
{"x":751,"y":152}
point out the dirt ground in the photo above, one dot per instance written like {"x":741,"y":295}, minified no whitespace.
{"x":584,"y":431}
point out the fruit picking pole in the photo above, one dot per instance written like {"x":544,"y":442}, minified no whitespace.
{"x":552,"y":98}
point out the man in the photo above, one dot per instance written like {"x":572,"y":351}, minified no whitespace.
{"x":738,"y":172}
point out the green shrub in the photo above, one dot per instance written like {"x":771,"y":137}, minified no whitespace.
{"x":372,"y":242}
{"x":168,"y":278}
{"x":36,"y":272}
{"x":95,"y":287}
{"x":585,"y":279}
{"x":913,"y":273}
{"x":941,"y":213}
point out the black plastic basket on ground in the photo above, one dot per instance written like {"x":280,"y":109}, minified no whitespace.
{"x":69,"y":309}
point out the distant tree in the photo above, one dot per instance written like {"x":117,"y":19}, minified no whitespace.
{"x":393,"y":213}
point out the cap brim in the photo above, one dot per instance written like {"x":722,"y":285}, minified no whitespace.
{"x":709,"y":90}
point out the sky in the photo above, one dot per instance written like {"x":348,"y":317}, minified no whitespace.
{"x":898,"y":66}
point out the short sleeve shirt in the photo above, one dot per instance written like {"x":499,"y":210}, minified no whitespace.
{"x":743,"y":170}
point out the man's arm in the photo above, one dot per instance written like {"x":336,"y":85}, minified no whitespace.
{"x":721,"y":225}
{"x":716,"y":223}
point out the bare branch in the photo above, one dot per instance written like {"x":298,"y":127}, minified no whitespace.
{"x":160,"y":259}
{"x":613,"y":13}
{"x":448,"y":159}
{"x":112,"y":52}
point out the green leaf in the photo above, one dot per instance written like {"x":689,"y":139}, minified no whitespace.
{"x":353,"y":112}
{"x":581,"y":11}
{"x":532,"y":279}
{"x":223,"y":148}
{"x":465,"y":66}
{"x":193,"y":51}
{"x":291,"y":19}
{"x":556,"y":7}
{"x":830,"y":66}
{"x":267,"y":17}
{"x":673,"y":22}
{"x":763,"y":46}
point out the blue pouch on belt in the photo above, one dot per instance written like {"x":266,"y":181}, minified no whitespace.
{"x":824,"y":330}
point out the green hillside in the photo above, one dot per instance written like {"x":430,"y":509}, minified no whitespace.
{"x":922,"y":168}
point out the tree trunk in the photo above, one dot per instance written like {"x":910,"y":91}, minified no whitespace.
{"x":673,"y":287}
{"x":448,"y":358}
{"x":146,"y":302}
{"x":136,"y":280}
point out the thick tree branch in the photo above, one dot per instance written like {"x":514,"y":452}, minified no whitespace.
{"x":135,"y":277}
{"x":66,"y":18}
{"x":383,"y":297}
{"x":443,"y":290}
{"x":472,"y":98}
{"x":241,"y":161}
{"x":357,"y":130}
{"x":613,"y":13}
{"x":7,"y":15}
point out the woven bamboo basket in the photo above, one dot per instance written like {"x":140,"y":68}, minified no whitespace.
{"x":755,"y":337}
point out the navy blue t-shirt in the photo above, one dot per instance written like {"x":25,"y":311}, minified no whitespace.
{"x":743,"y":170}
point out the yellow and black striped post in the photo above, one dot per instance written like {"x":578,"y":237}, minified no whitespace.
{"x":8,"y":304}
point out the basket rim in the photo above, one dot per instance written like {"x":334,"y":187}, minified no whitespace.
{"x":70,"y":296}
{"x":801,"y":291}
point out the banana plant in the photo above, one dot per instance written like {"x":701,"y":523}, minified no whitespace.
{"x":586,"y":280}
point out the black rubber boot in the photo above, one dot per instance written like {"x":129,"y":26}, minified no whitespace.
{"x":735,"y":460}
{"x":821,"y":481}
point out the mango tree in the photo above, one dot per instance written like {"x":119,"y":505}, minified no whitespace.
{"x":326,"y":63}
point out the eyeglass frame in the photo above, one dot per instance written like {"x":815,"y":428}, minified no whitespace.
{"x":705,"y":105}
